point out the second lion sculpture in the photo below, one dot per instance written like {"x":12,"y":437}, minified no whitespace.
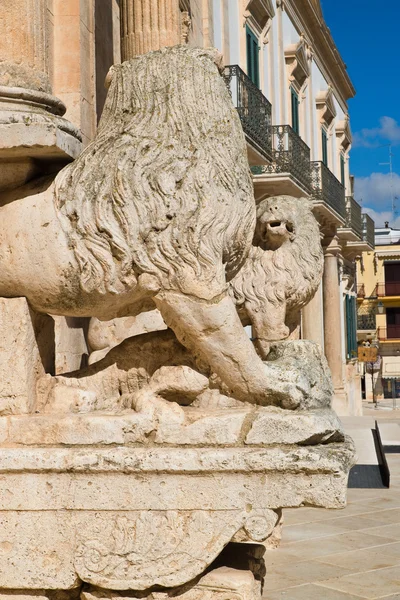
{"x":282,"y":272}
{"x":157,"y":211}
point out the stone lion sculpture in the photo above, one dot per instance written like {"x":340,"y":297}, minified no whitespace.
{"x":158,"y":211}
{"x":282,"y":272}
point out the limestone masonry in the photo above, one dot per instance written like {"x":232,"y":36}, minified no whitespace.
{"x":161,"y":468}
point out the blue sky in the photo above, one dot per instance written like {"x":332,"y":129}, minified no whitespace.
{"x":366,"y":33}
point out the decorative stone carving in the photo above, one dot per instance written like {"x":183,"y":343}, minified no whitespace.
{"x":157,"y":471}
{"x":149,"y":247}
{"x":146,"y":548}
{"x":283,"y":270}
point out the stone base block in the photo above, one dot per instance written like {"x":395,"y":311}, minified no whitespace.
{"x":33,"y":136}
{"x":26,"y":352}
{"x":129,"y":518}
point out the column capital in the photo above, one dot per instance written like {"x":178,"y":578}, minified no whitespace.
{"x":331,"y":246}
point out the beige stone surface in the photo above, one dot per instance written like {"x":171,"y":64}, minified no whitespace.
{"x":177,"y":425}
{"x":197,"y":308}
{"x":217,"y":584}
{"x":24,"y":40}
{"x":104,"y":335}
{"x":283,"y":270}
{"x":149,"y":26}
{"x":33,"y":136}
{"x":165,"y":456}
{"x":71,"y":505}
{"x":25,"y":351}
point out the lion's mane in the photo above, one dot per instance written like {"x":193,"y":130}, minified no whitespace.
{"x":164,"y":188}
{"x":289,"y":274}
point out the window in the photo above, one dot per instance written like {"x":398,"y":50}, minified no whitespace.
{"x":392,"y":279}
{"x":324,"y":147}
{"x":342,"y":170}
{"x":295,"y":111}
{"x":252,"y":57}
{"x":351,"y":326}
{"x":393,"y":323}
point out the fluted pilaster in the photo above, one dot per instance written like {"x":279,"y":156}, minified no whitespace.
{"x":148,"y":25}
{"x":24,"y":44}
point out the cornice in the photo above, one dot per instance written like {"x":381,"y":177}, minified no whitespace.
{"x":307,"y":15}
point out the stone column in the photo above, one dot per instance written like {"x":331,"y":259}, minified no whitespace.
{"x":24,"y":43}
{"x":332,"y":320}
{"x":312,"y":320}
{"x":149,"y":25}
{"x":32,"y":132}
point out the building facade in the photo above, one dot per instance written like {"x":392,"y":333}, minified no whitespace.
{"x":378,"y":315}
{"x":287,"y":81}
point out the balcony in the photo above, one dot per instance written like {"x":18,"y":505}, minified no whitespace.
{"x":254,"y":111}
{"x":389,"y":288}
{"x":353,"y":217}
{"x":368,"y":230}
{"x":366,"y":322}
{"x":328,"y":193}
{"x":289,"y":167}
{"x":391,"y":332}
{"x":361,"y":290}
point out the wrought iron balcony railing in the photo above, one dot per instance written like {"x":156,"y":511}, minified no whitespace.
{"x":353,"y":216}
{"x":253,"y":108}
{"x":390,"y":332}
{"x":389,"y":288}
{"x":361,"y":290}
{"x":326,"y":188}
{"x":366,"y":322}
{"x":368,"y":230}
{"x":289,"y":155}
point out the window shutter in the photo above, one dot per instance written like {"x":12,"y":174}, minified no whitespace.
{"x":351,"y":327}
{"x":295,"y":111}
{"x":324,"y":147}
{"x":342,"y":172}
{"x":252,"y":51}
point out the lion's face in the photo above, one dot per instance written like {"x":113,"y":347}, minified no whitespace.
{"x":275,"y":224}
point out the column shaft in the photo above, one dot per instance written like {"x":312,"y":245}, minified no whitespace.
{"x":24,"y":44}
{"x":312,"y":320}
{"x":332,"y":325}
{"x":148,"y":25}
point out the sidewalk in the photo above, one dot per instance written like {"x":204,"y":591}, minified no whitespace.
{"x":343,"y":554}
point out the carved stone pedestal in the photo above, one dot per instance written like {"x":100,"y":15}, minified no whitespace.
{"x":101,"y":500}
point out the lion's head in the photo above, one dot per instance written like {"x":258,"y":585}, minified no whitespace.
{"x":285,"y":265}
{"x":165,"y":187}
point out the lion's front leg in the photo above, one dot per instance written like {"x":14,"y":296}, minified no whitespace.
{"x":268,"y":325}
{"x":212,"y":331}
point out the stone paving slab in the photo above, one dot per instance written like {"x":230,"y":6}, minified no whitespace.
{"x":360,"y":544}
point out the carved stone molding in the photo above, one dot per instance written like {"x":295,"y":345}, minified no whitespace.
{"x":297,"y":63}
{"x":145,"y":548}
{"x":326,"y":107}
{"x":258,"y":13}
{"x":343,"y":134}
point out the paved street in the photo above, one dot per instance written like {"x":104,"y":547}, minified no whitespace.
{"x":344,"y":554}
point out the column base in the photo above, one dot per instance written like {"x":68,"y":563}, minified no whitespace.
{"x":340,"y":402}
{"x":33,"y":136}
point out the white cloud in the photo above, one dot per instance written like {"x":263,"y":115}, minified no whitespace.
{"x":380,"y":218}
{"x":375,"y":191}
{"x":389,"y":131}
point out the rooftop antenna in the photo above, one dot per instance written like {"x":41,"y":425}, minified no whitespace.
{"x":393,"y":197}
